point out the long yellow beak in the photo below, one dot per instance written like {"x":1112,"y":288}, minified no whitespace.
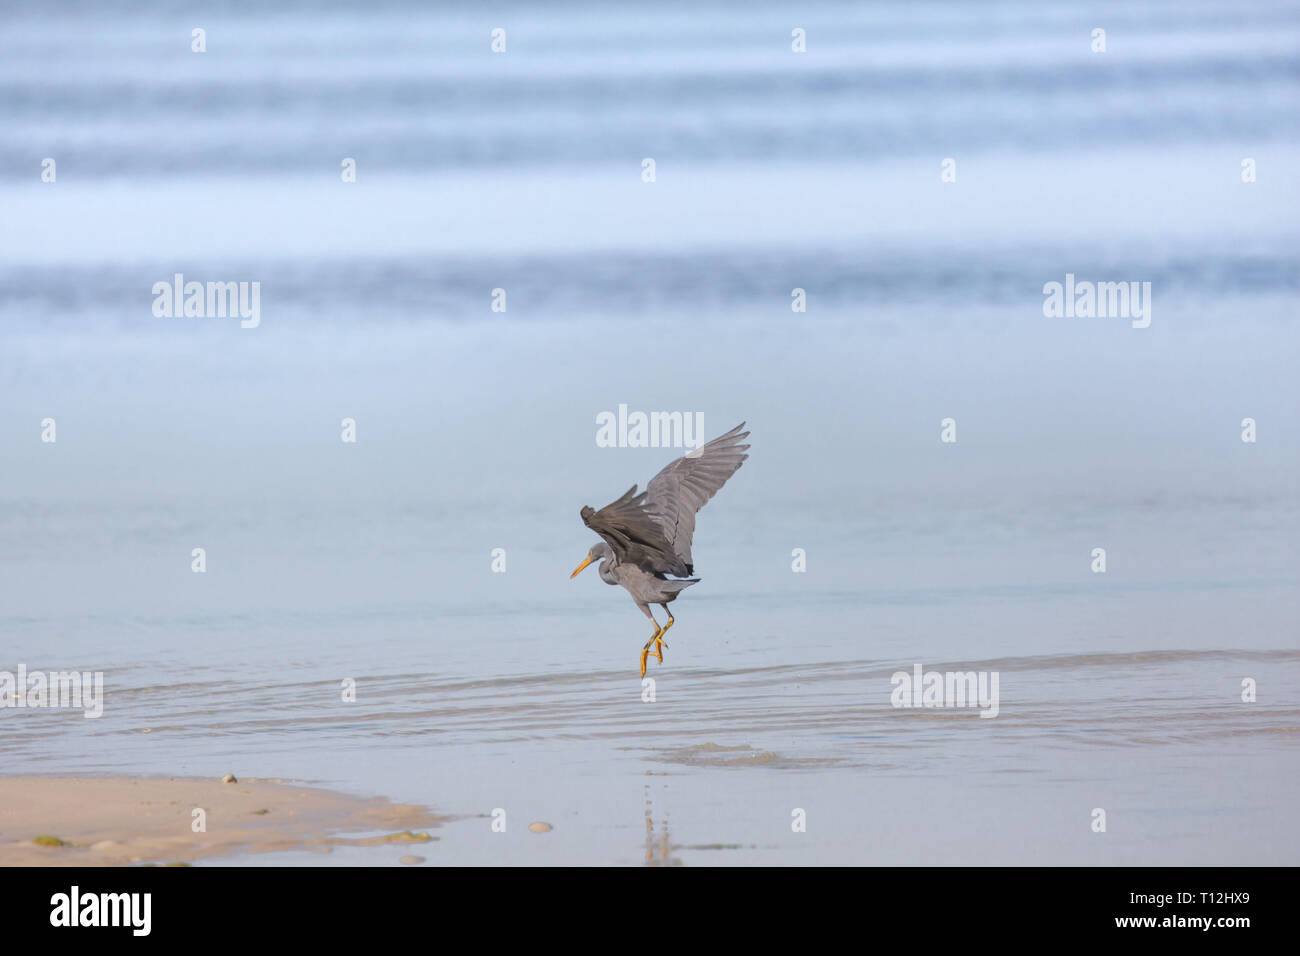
{"x":580,"y":567}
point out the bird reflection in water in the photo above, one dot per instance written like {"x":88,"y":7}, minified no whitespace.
{"x":658,"y":842}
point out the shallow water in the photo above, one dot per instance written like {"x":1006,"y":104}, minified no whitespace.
{"x":373,"y":561}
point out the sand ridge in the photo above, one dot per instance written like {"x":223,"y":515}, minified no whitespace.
{"x":119,"y":821}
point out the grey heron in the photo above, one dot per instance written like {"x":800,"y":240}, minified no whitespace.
{"x":647,"y":535}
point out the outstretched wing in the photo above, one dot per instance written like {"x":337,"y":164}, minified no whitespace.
{"x":686,"y":485}
{"x":630,"y":529}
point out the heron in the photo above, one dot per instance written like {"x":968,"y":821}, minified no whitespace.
{"x":646,"y":544}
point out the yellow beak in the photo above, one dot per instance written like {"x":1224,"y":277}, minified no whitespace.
{"x":580,"y":567}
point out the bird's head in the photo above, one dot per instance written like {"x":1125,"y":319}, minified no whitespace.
{"x":598,"y":551}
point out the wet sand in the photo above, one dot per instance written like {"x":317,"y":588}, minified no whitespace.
{"x":118,"y":821}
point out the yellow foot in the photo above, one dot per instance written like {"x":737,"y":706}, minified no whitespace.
{"x":645,"y":650}
{"x":658,"y":641}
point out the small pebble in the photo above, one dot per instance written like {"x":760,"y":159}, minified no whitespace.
{"x":540,"y":827}
{"x":229,"y":778}
{"x":412,"y":859}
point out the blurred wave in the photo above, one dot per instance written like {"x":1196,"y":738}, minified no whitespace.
{"x":414,"y":87}
{"x":630,"y":284}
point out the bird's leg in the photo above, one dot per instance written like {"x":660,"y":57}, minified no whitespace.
{"x":658,"y":639}
{"x":645,"y":651}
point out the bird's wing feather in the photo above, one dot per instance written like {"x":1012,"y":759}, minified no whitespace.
{"x":630,"y":529}
{"x":686,"y":485}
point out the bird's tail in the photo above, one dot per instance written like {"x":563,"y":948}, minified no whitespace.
{"x":678,"y":585}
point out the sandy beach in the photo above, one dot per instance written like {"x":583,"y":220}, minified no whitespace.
{"x":118,"y":821}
